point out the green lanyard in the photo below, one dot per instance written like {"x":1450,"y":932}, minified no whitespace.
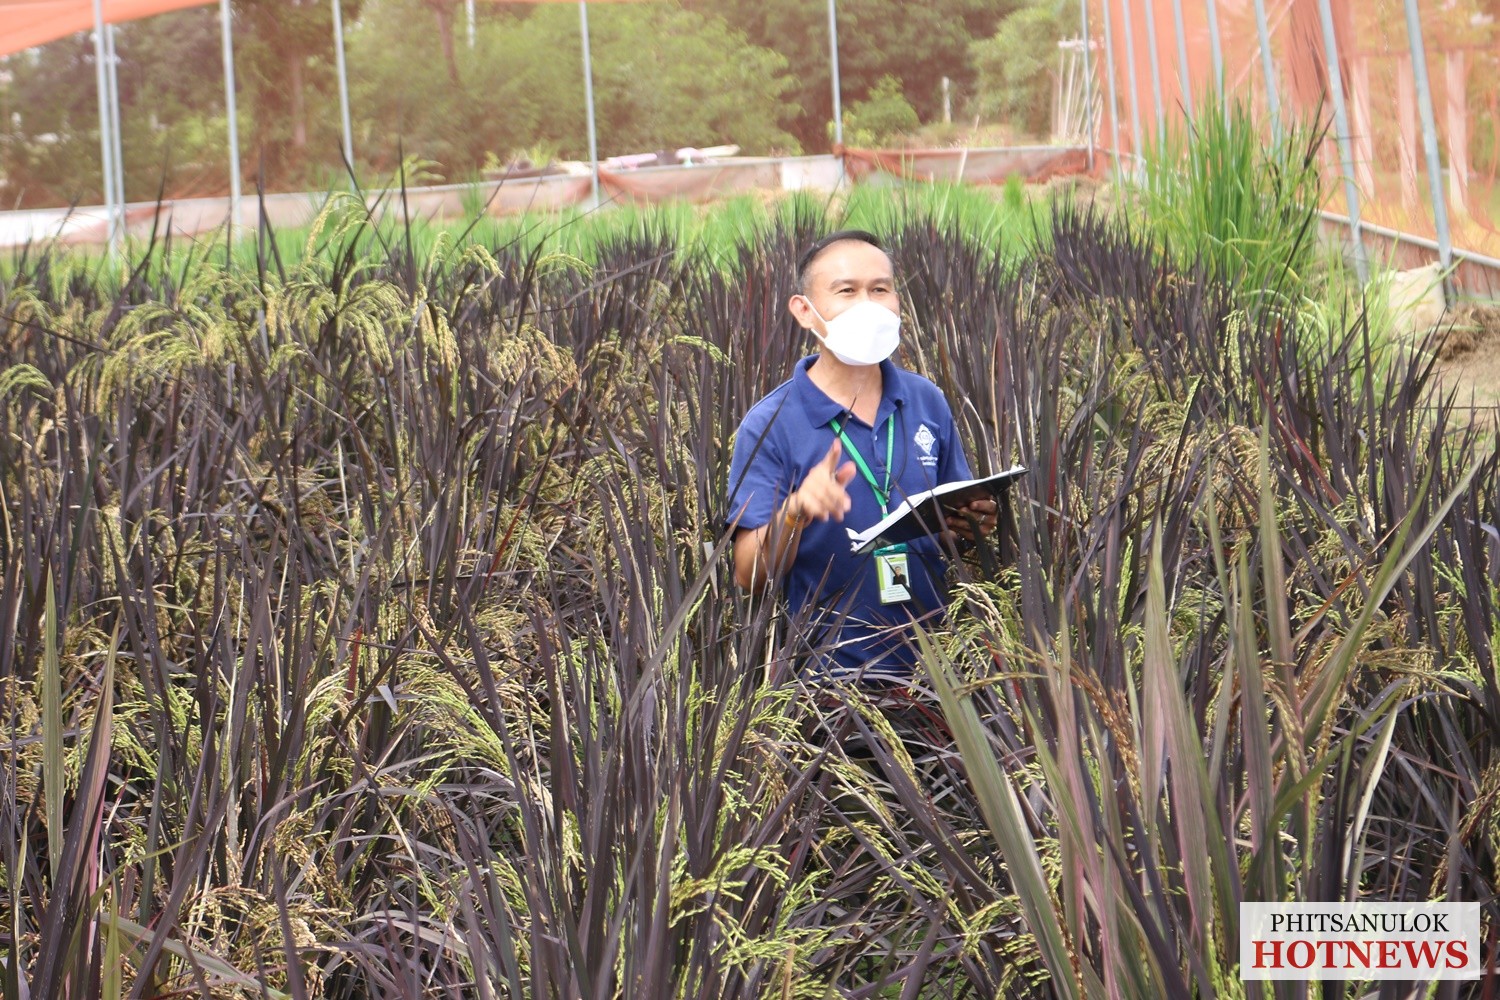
{"x":883,"y":494}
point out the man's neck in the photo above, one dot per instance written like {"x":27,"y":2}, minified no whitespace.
{"x":857,"y":388}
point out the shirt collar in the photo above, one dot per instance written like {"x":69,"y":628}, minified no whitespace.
{"x":820,"y":407}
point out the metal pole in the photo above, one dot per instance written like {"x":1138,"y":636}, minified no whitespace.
{"x":338,"y":56}
{"x":1161,"y":111}
{"x":1341,"y":122}
{"x":1088,"y":82}
{"x":469,"y":15}
{"x":1216,"y":46}
{"x":1135,"y":101}
{"x":1268,"y":66}
{"x":231,"y":110}
{"x":1182,"y":60}
{"x":112,"y":74}
{"x":1430,"y":145}
{"x":833,"y":65}
{"x":1109,"y":83}
{"x":106,"y":146}
{"x":588,"y":95}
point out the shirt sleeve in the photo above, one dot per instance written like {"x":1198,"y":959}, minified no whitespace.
{"x":758,"y":476}
{"x":953,"y":467}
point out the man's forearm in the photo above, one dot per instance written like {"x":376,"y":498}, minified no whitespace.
{"x":770,"y":550}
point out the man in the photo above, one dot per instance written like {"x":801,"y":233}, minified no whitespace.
{"x":843,"y":441}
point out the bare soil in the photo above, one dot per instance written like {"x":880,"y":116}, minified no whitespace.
{"x":1469,"y":359}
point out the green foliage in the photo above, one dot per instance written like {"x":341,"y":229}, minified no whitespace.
{"x":1015,"y":66}
{"x":884,"y":115}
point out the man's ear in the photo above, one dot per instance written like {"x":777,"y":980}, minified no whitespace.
{"x":801,"y":310}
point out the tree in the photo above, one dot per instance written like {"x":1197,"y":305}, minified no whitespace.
{"x":172,"y":121}
{"x":668,"y":77}
{"x":918,"y":43}
{"x":1015,"y":65}
{"x":49,"y":140}
{"x":663,"y":77}
{"x":285,"y":64}
{"x":881,"y":117}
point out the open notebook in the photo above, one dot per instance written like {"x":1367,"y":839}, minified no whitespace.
{"x":924,"y":514}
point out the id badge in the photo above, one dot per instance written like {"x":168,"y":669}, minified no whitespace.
{"x":892,"y":574}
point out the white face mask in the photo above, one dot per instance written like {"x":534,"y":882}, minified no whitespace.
{"x":864,"y":334}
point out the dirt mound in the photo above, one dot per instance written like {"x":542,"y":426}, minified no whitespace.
{"x":1475,"y":327}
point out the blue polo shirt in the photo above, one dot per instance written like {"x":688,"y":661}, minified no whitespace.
{"x":779,"y":441}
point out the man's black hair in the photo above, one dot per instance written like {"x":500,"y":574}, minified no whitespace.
{"x":815,"y":251}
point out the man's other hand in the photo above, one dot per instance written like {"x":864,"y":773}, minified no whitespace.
{"x":973,"y":519}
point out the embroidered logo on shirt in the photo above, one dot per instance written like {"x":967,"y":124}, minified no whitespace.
{"x":925,"y":439}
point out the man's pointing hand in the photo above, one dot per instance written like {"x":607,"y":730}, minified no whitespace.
{"x":824,"y":493}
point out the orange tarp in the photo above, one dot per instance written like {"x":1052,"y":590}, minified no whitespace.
{"x":27,"y":23}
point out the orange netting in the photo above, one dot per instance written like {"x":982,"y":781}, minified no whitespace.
{"x":1380,"y":91}
{"x":975,"y":166}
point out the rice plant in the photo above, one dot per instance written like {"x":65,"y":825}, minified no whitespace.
{"x":1216,"y":190}
{"x":366,"y":626}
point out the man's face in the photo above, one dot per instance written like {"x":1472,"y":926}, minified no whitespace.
{"x":847,"y":272}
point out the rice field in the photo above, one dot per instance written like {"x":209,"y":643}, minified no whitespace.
{"x":367,"y":626}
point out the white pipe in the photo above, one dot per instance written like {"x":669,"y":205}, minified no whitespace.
{"x":112,"y":74}
{"x":1109,"y":84}
{"x":1341,"y":122}
{"x":1088,"y":81}
{"x":1161,"y":108}
{"x":1430,"y":144}
{"x":833,"y":65}
{"x":1183,"y":72}
{"x":1216,"y":48}
{"x":1135,"y":90}
{"x":338,"y":52}
{"x":1268,"y":65}
{"x":106,"y":146}
{"x":588,"y":95}
{"x":231,"y":109}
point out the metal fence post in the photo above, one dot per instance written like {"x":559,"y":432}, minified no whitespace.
{"x":1341,"y":122}
{"x":1216,"y":47}
{"x":588,"y":96}
{"x":833,"y":69}
{"x":1088,"y":80}
{"x":1135,"y":101}
{"x":112,"y":75}
{"x":1268,"y":66}
{"x":1109,"y":84}
{"x":232,"y":113}
{"x":106,"y":145}
{"x":1161,"y":110}
{"x":343,"y":71}
{"x":1183,"y":72}
{"x":1430,"y":145}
